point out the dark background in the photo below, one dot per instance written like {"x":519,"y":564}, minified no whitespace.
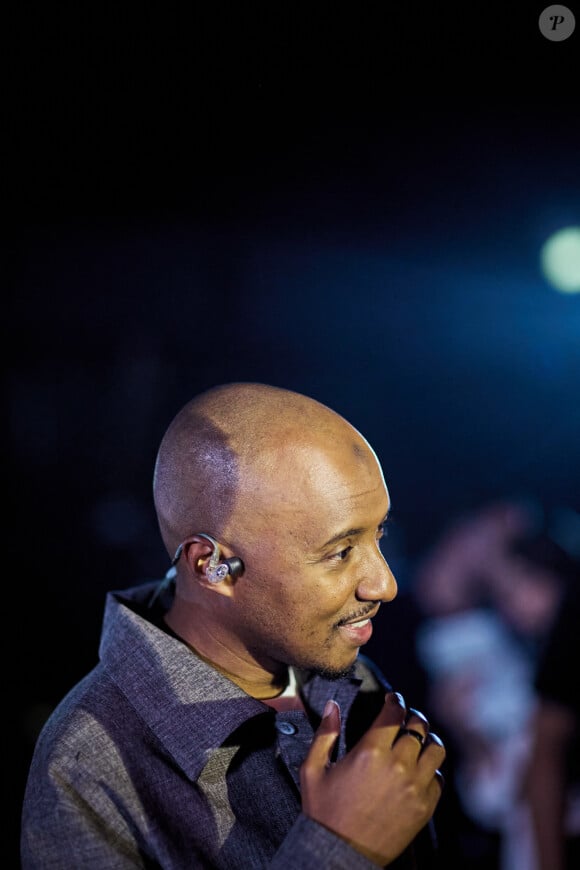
{"x":346,"y":201}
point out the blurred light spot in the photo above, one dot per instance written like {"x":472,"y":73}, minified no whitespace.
{"x":560,"y":260}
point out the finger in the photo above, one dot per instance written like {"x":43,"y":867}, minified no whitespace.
{"x":320,"y":752}
{"x":433,"y":739}
{"x":416,"y":726}
{"x":393,"y":711}
{"x":417,"y":722}
{"x":410,"y":732}
{"x":415,"y":716}
{"x":433,"y":752}
{"x":425,"y":749}
{"x":386,"y":724}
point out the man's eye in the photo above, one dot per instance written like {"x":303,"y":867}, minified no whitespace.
{"x":382,"y":531}
{"x":341,"y":555}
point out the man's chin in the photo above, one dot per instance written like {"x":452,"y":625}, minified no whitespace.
{"x":328,"y":673}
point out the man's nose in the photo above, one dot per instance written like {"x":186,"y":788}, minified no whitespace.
{"x":378,"y":581}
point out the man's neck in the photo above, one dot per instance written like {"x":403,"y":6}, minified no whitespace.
{"x":252,"y":679}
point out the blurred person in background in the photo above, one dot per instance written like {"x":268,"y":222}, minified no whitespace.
{"x":489,"y":591}
{"x":552,"y":775}
{"x":472,"y":614}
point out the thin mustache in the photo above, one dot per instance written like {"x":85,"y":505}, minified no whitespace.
{"x":355,"y":617}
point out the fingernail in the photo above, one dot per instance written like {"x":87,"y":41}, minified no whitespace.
{"x":396,"y":698}
{"x":328,"y":708}
{"x":413,"y":712}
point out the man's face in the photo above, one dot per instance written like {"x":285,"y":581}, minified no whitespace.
{"x":314,"y":569}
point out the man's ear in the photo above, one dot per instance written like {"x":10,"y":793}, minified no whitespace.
{"x":202,"y":557}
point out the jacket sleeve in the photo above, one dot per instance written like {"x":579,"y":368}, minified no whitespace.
{"x":311,"y":846}
{"x":69,"y":823}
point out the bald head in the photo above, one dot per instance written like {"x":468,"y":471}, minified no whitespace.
{"x":230,"y":441}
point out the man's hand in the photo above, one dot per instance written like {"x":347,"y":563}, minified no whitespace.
{"x":385,"y":789}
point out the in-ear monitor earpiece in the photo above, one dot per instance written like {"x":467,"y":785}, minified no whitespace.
{"x":218,"y":570}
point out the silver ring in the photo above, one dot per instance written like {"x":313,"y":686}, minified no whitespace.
{"x":416,"y":734}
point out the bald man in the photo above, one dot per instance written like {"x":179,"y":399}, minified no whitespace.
{"x":231,"y":721}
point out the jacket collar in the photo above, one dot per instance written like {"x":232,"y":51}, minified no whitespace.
{"x":176,"y":693}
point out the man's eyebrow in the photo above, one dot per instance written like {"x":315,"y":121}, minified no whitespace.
{"x":350,"y":533}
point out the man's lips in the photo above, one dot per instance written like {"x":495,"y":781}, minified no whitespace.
{"x":360,"y":617}
{"x":358,"y":630}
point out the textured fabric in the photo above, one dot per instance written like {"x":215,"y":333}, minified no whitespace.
{"x":156,"y":760}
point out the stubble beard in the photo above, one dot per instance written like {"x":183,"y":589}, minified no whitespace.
{"x":334,"y":674}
